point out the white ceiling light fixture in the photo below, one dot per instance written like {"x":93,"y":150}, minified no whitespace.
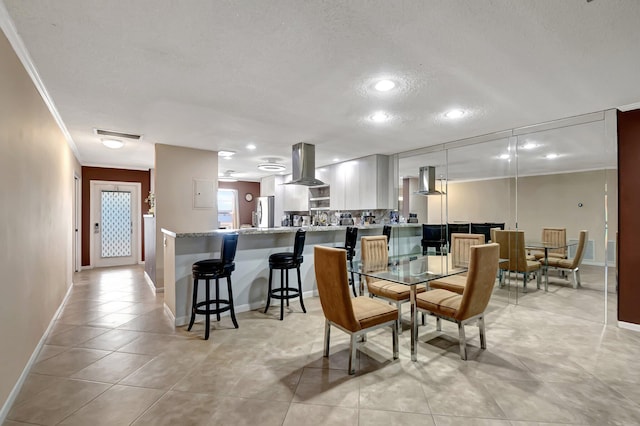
{"x":335,"y":160}
{"x":384,"y":85}
{"x":455,"y":113}
{"x":251,"y":147}
{"x":379,"y":116}
{"x":270,"y":165}
{"x":226,"y":154}
{"x":112,"y":143}
{"x":530,"y":145}
{"x":227,"y":177}
{"x":551,"y":156}
{"x":504,"y":156}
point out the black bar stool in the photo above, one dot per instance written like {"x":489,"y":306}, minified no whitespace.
{"x":386,"y":231}
{"x":350,"y":241}
{"x":214,"y":269}
{"x":284,"y":262}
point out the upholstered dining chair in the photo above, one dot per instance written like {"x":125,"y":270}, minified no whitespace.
{"x":572,"y":265}
{"x":375,"y":257}
{"x":553,"y":235}
{"x":460,"y":253}
{"x":512,"y":245}
{"x":469,"y":306}
{"x":355,"y":316}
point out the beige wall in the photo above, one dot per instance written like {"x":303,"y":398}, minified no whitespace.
{"x":542,"y":201}
{"x":175,"y":170}
{"x":36,"y":195}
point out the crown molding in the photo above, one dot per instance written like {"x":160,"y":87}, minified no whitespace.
{"x":9,"y":29}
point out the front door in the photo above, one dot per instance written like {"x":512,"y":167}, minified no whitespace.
{"x":115,"y":211}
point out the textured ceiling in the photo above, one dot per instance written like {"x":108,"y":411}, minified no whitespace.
{"x":221,"y":74}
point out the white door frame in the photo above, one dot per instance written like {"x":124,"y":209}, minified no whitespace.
{"x":136,"y":219}
{"x":77,"y":222}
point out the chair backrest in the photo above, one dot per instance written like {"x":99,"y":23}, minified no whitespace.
{"x":457,"y":228}
{"x":228,"y":249}
{"x":351,"y":239}
{"x":517,"y":253}
{"x":502,"y":238}
{"x":386,"y":231}
{"x":460,"y":245}
{"x":555,"y":235}
{"x":330,"y":266}
{"x":298,"y":245}
{"x":481,"y":277}
{"x":582,"y":245}
{"x":374,"y":254}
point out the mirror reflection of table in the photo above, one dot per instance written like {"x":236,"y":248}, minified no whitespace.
{"x":546,"y":246}
{"x":410,"y":270}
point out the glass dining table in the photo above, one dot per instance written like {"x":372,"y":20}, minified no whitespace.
{"x":546,"y":246}
{"x":413,"y":271}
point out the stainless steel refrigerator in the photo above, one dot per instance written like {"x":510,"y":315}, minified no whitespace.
{"x":265,"y":212}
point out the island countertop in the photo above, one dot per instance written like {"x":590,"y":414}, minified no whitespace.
{"x":279,"y":230}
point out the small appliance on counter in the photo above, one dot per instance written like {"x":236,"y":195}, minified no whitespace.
{"x":368,"y":217}
{"x":413,"y":218}
{"x":346,"y":219}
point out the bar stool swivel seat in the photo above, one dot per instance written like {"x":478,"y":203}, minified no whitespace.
{"x":214,"y":269}
{"x":285,"y":261}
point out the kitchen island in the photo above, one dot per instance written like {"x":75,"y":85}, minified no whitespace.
{"x":251,"y":276}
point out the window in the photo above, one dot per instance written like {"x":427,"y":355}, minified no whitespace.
{"x":228,"y":208}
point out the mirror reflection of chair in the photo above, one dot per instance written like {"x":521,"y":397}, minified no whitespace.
{"x":469,"y":306}
{"x":285,"y":261}
{"x":350,"y":241}
{"x":433,"y":236}
{"x":461,"y":255}
{"x":572,"y":265}
{"x":553,"y":236}
{"x":518,"y":263}
{"x":211,"y":269}
{"x":456,"y":228}
{"x":355,"y":316}
{"x":375,"y":257}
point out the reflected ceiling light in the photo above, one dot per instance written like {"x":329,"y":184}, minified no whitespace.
{"x":384,"y":85}
{"x":112,"y":143}
{"x":251,"y":147}
{"x":551,"y":156}
{"x":454,"y":113}
{"x":379,"y":116}
{"x":335,"y":160}
{"x":504,"y":156}
{"x":271,"y":166}
{"x":530,"y":145}
{"x":226,"y":154}
{"x":227,"y":177}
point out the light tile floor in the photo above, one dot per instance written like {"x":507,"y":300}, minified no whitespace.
{"x":114,"y":358}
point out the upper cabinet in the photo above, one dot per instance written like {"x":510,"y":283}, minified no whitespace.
{"x":361,"y":184}
{"x":295,"y":198}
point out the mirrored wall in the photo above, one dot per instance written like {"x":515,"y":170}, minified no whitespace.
{"x":539,"y":188}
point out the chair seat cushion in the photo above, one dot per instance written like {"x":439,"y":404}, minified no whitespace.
{"x":212,"y":266}
{"x":560,"y":263}
{"x":284,"y":259}
{"x":370,"y":312}
{"x":531,"y":257}
{"x":454,"y":283}
{"x":391,"y":290}
{"x":554,"y":255}
{"x":439,"y":301}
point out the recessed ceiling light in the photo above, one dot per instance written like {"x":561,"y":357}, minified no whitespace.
{"x":551,"y":156}
{"x":226,"y":154}
{"x":530,"y":145}
{"x":504,"y":156}
{"x":271,"y":167}
{"x":379,"y":116}
{"x":112,"y":143}
{"x":227,"y":177}
{"x":251,"y":147}
{"x":335,"y":160}
{"x":384,"y":85}
{"x":454,"y":113}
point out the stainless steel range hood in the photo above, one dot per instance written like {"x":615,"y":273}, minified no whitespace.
{"x":303,"y":163}
{"x":427,"y":181}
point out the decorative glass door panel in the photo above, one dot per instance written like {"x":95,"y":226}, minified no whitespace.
{"x":117,"y":228}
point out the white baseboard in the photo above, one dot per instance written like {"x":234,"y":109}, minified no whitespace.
{"x":168,"y":312}
{"x":140,"y":262}
{"x":151,"y":285}
{"x":629,"y":326}
{"x":86,"y":267}
{"x":34,"y":356}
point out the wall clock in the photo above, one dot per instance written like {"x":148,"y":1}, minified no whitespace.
{"x":248,"y":196}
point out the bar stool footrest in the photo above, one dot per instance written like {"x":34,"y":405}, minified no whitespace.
{"x":211,"y":310}
{"x":291,"y":293}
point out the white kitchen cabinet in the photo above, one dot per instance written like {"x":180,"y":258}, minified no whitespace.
{"x":268,"y":186}
{"x":361,"y":184}
{"x":295,"y":197}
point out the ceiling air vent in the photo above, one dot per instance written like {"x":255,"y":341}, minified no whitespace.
{"x":114,"y":134}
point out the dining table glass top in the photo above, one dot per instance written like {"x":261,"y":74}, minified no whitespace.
{"x":409,"y":269}
{"x":547,"y":245}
